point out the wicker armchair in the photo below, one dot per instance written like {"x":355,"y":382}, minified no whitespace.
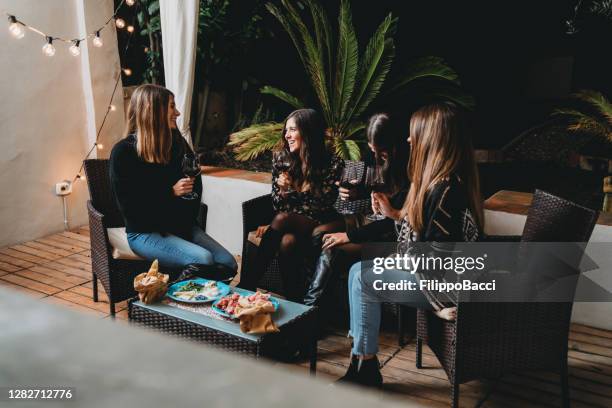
{"x":259,"y":211}
{"x":489,"y":340}
{"x":116,"y":275}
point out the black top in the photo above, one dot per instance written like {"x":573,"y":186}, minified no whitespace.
{"x":318,"y":205}
{"x":144,"y":190}
{"x":447,"y":219}
{"x":382,"y":230}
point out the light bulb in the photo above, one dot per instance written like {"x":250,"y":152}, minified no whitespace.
{"x":120,"y":23}
{"x":100,"y":146}
{"x":48,"y":49}
{"x":74,"y":49}
{"x":15,"y":28}
{"x":97,"y":41}
{"x":113,"y":108}
{"x":130,"y":29}
{"x":130,"y":2}
{"x":127,"y":71}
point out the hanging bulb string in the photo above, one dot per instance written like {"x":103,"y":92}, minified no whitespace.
{"x":68,"y":41}
{"x":108,"y":110}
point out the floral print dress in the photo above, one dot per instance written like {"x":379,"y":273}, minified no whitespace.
{"x":317,"y":203}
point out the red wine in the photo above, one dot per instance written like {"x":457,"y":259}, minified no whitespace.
{"x":348,"y":184}
{"x":192,"y":172}
{"x":378,"y":188}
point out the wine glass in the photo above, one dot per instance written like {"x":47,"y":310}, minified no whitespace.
{"x":349,"y":180}
{"x":375,"y":183}
{"x":191,"y":169}
{"x":282,"y":163}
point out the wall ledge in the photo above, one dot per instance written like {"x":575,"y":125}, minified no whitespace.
{"x":256,"y":176}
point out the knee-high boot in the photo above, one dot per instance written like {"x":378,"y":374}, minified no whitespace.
{"x":320,"y":279}
{"x":268,"y":247}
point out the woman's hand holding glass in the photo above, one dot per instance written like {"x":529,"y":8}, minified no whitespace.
{"x":183,"y":186}
{"x":382,"y":205}
{"x":284,"y":182}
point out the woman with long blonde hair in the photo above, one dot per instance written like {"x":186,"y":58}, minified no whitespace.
{"x":149,"y":184}
{"x":443,"y":206}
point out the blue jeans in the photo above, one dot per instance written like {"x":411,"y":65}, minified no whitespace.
{"x":365,"y":303}
{"x":175,"y":252}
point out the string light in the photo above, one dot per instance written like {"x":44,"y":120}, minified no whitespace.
{"x":74,"y":49}
{"x":15,"y":28}
{"x":48,"y":49}
{"x":97,"y":41}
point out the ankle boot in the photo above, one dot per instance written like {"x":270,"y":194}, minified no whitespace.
{"x":368,"y":373}
{"x":268,"y":247}
{"x":351,"y":373}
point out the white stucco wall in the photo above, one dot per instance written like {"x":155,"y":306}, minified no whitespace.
{"x":224,"y":197}
{"x":597,"y":314}
{"x":49,"y":111}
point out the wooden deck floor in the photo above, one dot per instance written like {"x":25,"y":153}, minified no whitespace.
{"x":57,"y":269}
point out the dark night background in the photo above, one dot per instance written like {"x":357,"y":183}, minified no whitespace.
{"x":514,"y":57}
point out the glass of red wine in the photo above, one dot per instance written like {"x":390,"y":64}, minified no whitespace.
{"x":191,"y":169}
{"x":282,"y":163}
{"x":375,"y":183}
{"x":349,"y":181}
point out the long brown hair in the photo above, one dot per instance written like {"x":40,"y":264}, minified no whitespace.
{"x":385,"y":135}
{"x":441,"y":146}
{"x":148,"y":120}
{"x":312,"y":158}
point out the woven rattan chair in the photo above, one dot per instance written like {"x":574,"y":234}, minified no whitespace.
{"x":488,"y":340}
{"x":116,"y":275}
{"x":259,"y":211}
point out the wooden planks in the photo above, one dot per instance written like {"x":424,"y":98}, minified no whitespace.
{"x":57,"y":269}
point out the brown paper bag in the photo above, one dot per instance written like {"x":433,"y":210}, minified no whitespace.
{"x":257,"y":319}
{"x":151,"y":286}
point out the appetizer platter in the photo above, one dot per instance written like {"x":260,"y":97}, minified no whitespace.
{"x":198,"y":290}
{"x":231,"y":305}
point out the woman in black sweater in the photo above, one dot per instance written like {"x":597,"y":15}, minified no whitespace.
{"x":148,"y":183}
{"x":388,"y":142}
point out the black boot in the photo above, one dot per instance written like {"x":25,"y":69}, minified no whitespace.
{"x":217,"y":272}
{"x":351,"y":373}
{"x":320,"y":278}
{"x":363,"y":372}
{"x":268,"y":247}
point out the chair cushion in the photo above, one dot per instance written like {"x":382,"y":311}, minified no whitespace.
{"x":119,"y":242}
{"x":253,"y":239}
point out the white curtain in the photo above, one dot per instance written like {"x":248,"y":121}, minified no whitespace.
{"x":179,"y":27}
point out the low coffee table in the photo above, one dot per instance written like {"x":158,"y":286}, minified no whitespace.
{"x":296,"y":322}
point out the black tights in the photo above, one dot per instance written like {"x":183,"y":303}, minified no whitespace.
{"x":290,"y":235}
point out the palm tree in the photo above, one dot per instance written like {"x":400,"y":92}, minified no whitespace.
{"x":591,"y":114}
{"x":345,"y":82}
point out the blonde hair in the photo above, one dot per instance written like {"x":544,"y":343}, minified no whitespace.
{"x":148,"y":119}
{"x":440,"y":147}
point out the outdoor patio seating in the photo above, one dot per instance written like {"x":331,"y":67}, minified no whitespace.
{"x":112,"y":261}
{"x":489,"y":340}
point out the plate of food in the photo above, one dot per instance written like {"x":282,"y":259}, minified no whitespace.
{"x":198,"y":290}
{"x":232,"y":304}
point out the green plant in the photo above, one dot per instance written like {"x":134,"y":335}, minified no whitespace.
{"x":226,"y":30}
{"x":591,"y":113}
{"x":344,"y":81}
{"x":150,"y":21}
